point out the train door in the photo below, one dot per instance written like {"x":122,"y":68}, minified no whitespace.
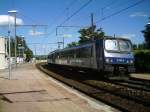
{"x":99,"y":54}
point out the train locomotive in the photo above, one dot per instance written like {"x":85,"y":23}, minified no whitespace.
{"x":112,"y":56}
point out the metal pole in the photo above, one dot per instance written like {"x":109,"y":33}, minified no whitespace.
{"x":57,"y":37}
{"x":56,"y":31}
{"x":35,"y":50}
{"x":9,"y":61}
{"x":6,"y":46}
{"x":102,"y":12}
{"x":63,"y":42}
{"x":114,"y":35}
{"x":15,"y":39}
{"x":13,"y":12}
{"x":58,"y":45}
{"x":23,"y":48}
{"x":92,"y":25}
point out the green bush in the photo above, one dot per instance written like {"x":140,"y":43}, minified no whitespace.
{"x":142,"y":60}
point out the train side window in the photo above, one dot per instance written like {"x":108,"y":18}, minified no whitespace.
{"x":62,"y":55}
{"x":71,"y":53}
{"x":91,"y":51}
{"x":77,"y":52}
{"x":86,"y":52}
{"x":65,"y":54}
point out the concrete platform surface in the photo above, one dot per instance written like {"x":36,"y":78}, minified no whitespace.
{"x":141,"y":76}
{"x":30,"y":90}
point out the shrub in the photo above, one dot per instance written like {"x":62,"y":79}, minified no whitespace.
{"x":142,"y":60}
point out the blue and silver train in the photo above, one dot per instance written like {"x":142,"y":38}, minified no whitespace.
{"x":110,"y":56}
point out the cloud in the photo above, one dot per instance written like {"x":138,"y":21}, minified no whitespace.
{"x":139,"y":14}
{"x":5,"y":21}
{"x":148,"y":23}
{"x":35,"y":33}
{"x":128,"y":36}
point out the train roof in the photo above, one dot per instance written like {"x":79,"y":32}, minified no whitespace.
{"x":86,"y":44}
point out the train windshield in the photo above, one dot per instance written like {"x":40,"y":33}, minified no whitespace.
{"x":124,"y":45}
{"x":117,"y":45}
{"x":111,"y":45}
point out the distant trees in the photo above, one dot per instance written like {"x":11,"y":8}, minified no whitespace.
{"x":139,"y":46}
{"x":88,"y":34}
{"x":20,"y":43}
{"x":72,"y":44}
{"x":29,"y":54}
{"x":146,"y":44}
{"x":27,"y":51}
{"x":146,"y":33}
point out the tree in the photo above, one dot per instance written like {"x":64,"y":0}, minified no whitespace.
{"x":29,"y":54}
{"x":90,"y":33}
{"x":135,"y":46}
{"x":141,"y":46}
{"x":146,"y":33}
{"x":20,"y":43}
{"x":72,"y":44}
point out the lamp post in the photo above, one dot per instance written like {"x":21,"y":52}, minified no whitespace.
{"x":63,"y":42}
{"x":9,"y":56}
{"x":14,"y":12}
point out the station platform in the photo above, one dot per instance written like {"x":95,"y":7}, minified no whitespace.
{"x":141,"y":76}
{"x":30,"y":90}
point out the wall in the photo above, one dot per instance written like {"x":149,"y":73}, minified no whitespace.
{"x":3,"y":59}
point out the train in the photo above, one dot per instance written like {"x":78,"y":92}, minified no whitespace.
{"x":111,"y":57}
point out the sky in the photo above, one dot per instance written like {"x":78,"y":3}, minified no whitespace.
{"x":52,"y":13}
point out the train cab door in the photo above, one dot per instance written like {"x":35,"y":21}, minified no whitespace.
{"x":99,"y":54}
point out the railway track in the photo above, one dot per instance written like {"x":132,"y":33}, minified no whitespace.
{"x":124,"y":98}
{"x":145,"y":86}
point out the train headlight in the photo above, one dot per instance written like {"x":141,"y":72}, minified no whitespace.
{"x":111,"y":60}
{"x":131,"y":61}
{"x":128,"y":61}
{"x":107,"y":60}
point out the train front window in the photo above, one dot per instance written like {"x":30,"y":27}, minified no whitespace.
{"x":117,"y":45}
{"x":111,"y":45}
{"x":124,"y":45}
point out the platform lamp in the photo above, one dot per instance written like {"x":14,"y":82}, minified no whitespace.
{"x":13,"y":13}
{"x":9,"y":31}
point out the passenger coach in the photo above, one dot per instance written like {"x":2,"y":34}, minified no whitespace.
{"x":111,"y":55}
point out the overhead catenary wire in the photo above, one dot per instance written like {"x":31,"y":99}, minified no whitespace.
{"x":29,"y":18}
{"x":62,"y":14}
{"x":106,"y":6}
{"x":109,"y":4}
{"x":66,"y":9}
{"x":77,"y":11}
{"x":120,"y":11}
{"x":71,"y":4}
{"x":68,"y":18}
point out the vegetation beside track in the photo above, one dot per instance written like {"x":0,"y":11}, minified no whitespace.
{"x":142,"y":61}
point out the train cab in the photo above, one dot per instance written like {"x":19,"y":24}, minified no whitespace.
{"x":118,"y":56}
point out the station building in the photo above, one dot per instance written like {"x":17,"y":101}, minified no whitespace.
{"x":3,"y":53}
